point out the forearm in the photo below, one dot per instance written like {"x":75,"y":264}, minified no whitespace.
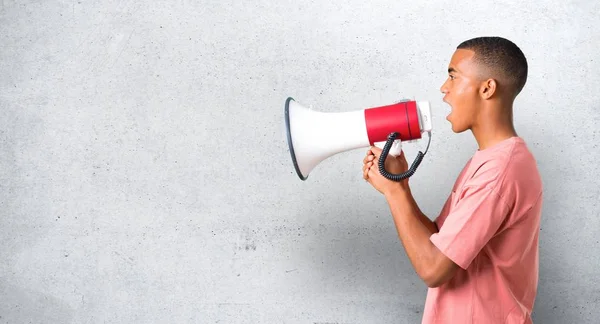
{"x":431,"y":226}
{"x":414,"y":230}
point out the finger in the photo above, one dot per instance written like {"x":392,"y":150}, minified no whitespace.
{"x":370,"y":173}
{"x":366,"y":174}
{"x":373,"y":172}
{"x":368,"y":156}
{"x":375,"y":165}
{"x":375,"y":150}
{"x":366,"y":169}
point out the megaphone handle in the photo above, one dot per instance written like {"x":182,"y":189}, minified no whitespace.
{"x":403,"y":175}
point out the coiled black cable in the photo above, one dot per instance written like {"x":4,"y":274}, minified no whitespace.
{"x":408,"y":173}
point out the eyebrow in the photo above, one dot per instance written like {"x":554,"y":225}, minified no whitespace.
{"x":450,"y":70}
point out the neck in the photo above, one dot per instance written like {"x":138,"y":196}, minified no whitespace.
{"x":495,"y":124}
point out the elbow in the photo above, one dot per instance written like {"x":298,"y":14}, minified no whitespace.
{"x":433,"y":279}
{"x":439,"y":273}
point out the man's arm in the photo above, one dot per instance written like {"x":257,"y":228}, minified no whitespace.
{"x":414,"y":230}
{"x":431,"y":226}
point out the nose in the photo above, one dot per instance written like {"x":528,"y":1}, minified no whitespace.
{"x":444,"y":87}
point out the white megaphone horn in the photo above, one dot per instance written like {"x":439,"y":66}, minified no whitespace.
{"x":313,"y":136}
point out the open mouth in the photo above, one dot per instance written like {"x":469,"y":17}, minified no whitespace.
{"x":449,"y":110}
{"x":449,"y":105}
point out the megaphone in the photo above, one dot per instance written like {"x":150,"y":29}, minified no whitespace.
{"x":313,"y":136}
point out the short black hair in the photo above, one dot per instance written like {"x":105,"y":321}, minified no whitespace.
{"x":502,"y":57}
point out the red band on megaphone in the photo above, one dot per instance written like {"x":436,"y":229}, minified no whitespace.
{"x":413,"y":121}
{"x":401,"y":117}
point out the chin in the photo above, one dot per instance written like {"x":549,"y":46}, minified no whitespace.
{"x":449,"y":119}
{"x":458,"y":130}
{"x":455,"y":128}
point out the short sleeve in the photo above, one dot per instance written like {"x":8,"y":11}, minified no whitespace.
{"x":470,"y":224}
{"x":437,"y":220}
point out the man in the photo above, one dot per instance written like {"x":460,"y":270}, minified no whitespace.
{"x":479,"y":257}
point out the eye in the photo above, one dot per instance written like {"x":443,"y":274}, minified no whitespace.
{"x":451,"y":77}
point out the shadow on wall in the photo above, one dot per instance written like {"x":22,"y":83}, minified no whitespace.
{"x":364,"y":261}
{"x":547,"y":308}
{"x":27,"y":216}
{"x":26,"y":306}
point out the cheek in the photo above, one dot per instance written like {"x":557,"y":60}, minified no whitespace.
{"x":464,"y":89}
{"x":464,"y":101}
{"x":465,"y":93}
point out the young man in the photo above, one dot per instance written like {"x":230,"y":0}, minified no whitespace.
{"x":479,"y":257}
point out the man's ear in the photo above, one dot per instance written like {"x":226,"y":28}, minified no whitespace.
{"x":488,"y":89}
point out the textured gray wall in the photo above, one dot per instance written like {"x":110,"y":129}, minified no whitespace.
{"x":145,"y":175}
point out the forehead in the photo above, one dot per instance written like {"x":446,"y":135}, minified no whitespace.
{"x":462,"y":60}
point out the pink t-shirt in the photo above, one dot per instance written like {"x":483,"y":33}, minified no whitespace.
{"x":489,"y":226}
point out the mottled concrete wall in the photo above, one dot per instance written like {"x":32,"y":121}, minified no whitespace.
{"x":145,"y":177}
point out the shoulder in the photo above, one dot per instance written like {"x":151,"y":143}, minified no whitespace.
{"x":510,"y":169}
